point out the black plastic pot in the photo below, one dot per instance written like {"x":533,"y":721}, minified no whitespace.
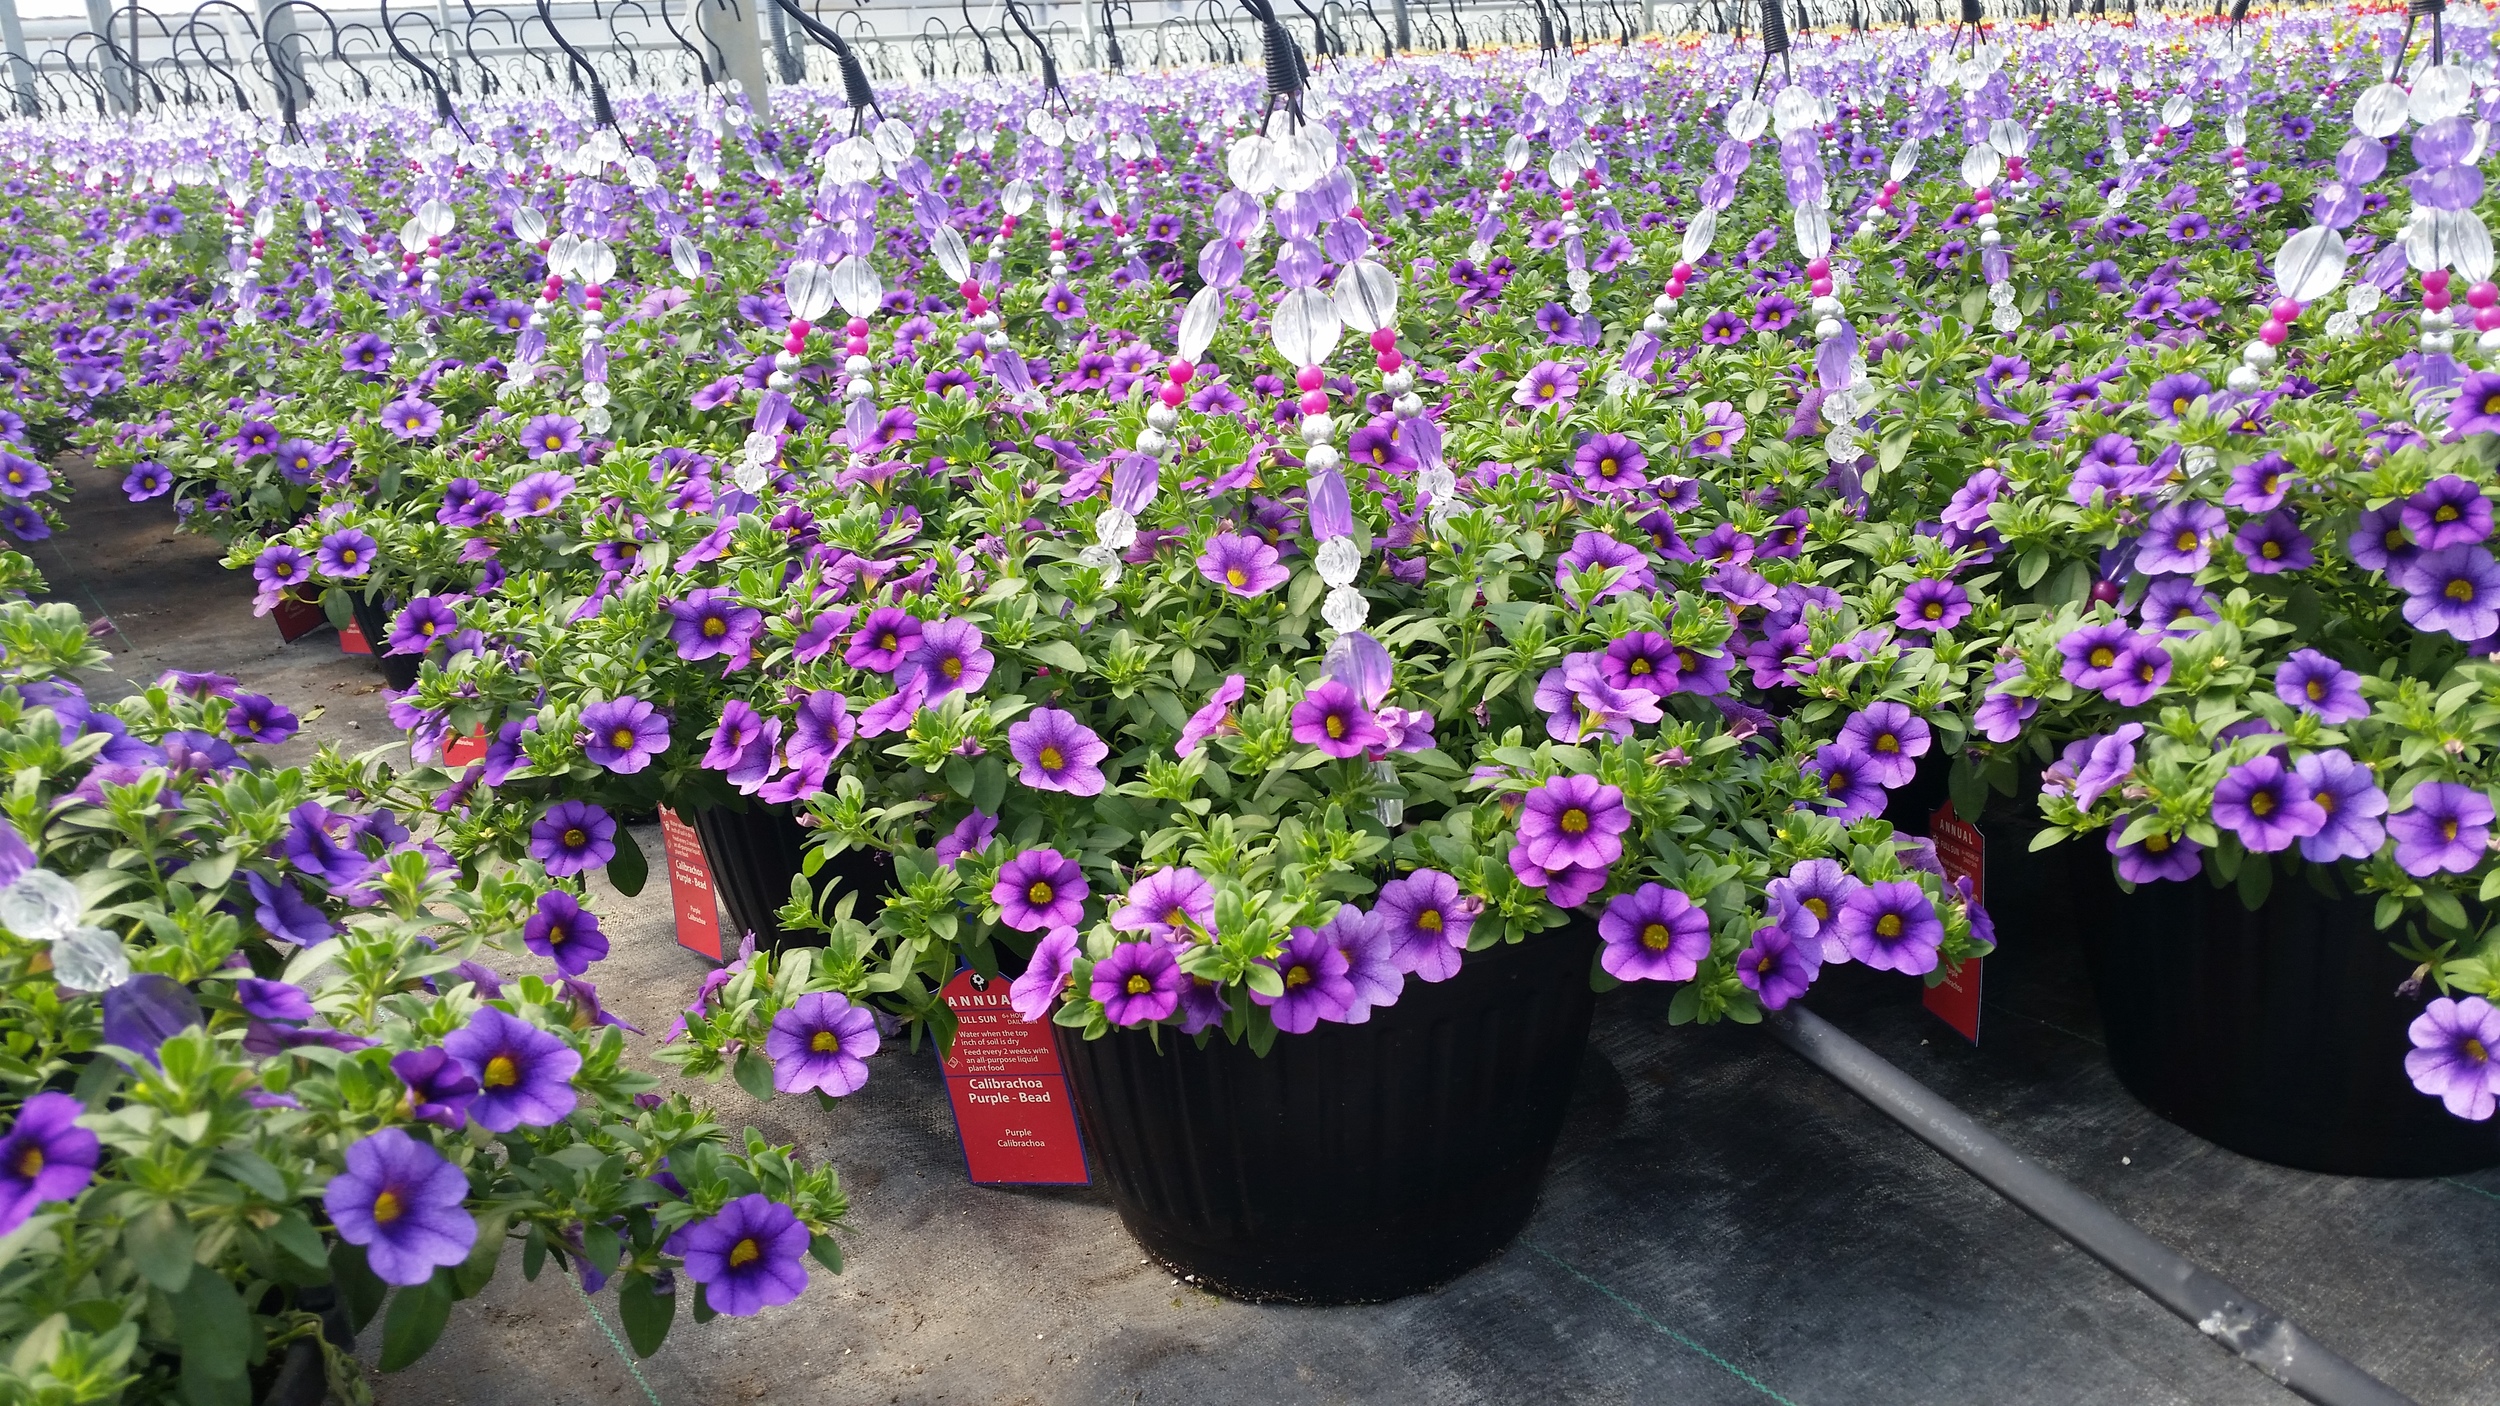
{"x":753,"y":854}
{"x":1355,"y":1163}
{"x":2277,"y":1033}
{"x":400,"y":670}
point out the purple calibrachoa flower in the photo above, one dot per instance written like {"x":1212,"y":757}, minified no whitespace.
{"x":1931,"y":606}
{"x":750,"y":1257}
{"x":1591,"y":551}
{"x":1243,"y":565}
{"x":623,"y":734}
{"x":1891,"y":738}
{"x":2274,"y":544}
{"x":1573,"y":822}
{"x":46,"y":1156}
{"x":411,"y":418}
{"x":1057,"y":753}
{"x":1643,"y":660}
{"x":884,"y":642}
{"x":147,"y":479}
{"x":2178,"y":538}
{"x":1653,"y":933}
{"x":971,"y":835}
{"x":1332,"y":718}
{"x":551,"y":434}
{"x":1548,"y":383}
{"x":565,"y":933}
{"x":1807,"y":900}
{"x":2155,"y":858}
{"x":1722,"y":425}
{"x":2264,"y":803}
{"x":1171,"y":905}
{"x":573,"y":836}
{"x":2380,"y":541}
{"x":400,"y":1200}
{"x":2455,"y":590}
{"x":821,"y":1042}
{"x":1371,"y":961}
{"x":1780,"y":964}
{"x":537,"y":495}
{"x":2314,"y":683}
{"x":2171,"y":396}
{"x":1892,"y":927}
{"x":524,"y":1075}
{"x":951,"y":660}
{"x":2094,"y":654}
{"x":2352,"y":802}
{"x":347,"y":554}
{"x":1215,"y":717}
{"x":439,"y":1088}
{"x":1139,"y":982}
{"x":1849,"y":778}
{"x":1610,"y":463}
{"x":468,"y":503}
{"x":2445,"y":829}
{"x":1316,"y":984}
{"x":421,"y":623}
{"x":2456,"y":1055}
{"x":1038,"y":889}
{"x":1426,"y":921}
{"x":256,"y":718}
{"x":711,"y":622}
{"x":2450,"y":512}
{"x":2143,"y":668}
{"x":22,"y":477}
{"x":1045,"y":977}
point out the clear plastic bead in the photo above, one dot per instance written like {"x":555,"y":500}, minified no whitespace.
{"x":2341,"y":325}
{"x":1338,"y":560}
{"x":1345,"y":610}
{"x":90,"y":959}
{"x":1115,"y":529}
{"x":2362,"y":300}
{"x":40,"y":906}
{"x":750,"y":476}
{"x":1841,"y":445}
{"x":596,"y":419}
{"x":595,"y":394}
{"x":2005,"y":319}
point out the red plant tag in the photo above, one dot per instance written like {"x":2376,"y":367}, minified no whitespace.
{"x":352,"y":640}
{"x":297,"y":618}
{"x":1963,"y":852}
{"x":690,"y":885}
{"x":1009,"y":1093}
{"x":460,"y":751}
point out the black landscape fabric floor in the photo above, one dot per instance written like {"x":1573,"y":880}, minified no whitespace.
{"x":1723,"y":1224}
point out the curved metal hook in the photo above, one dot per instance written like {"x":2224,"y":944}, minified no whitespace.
{"x":1051,"y":89}
{"x":855,"y":87}
{"x":600,"y":112}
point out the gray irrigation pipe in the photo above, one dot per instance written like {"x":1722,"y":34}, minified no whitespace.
{"x":2263,"y":1338}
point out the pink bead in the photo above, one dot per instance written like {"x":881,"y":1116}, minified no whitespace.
{"x":858,"y":327}
{"x":1682,"y":271}
{"x":2483,"y":294}
{"x":1171,"y":395}
{"x":2274,"y":334}
{"x":1315,"y":402}
{"x":1822,"y":287}
{"x":1820,"y":268}
{"x":2436,"y":281}
{"x":2285,"y":310}
{"x":971,"y":288}
{"x":1308,"y":378}
{"x":1390,"y":360}
{"x":2486,"y":318}
{"x":800,"y":327}
{"x":1179,"y":372}
{"x":1892,"y":188}
{"x":2435,"y":302}
{"x":1384,"y":339}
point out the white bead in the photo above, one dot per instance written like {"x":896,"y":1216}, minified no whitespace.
{"x":1162,"y":417}
{"x":856,"y":366}
{"x":1827,"y":329}
{"x":1317,"y":429}
{"x":1318,"y":457}
{"x":2243,"y":380}
{"x":1398,"y":382}
{"x":1345,"y":610}
{"x":859,"y":389}
{"x":1989,"y":239}
{"x":779,"y":380}
{"x":784,"y":361}
{"x":2488,"y":341}
{"x":1338,"y":559}
{"x":1662,"y":304}
{"x":2257,"y":354}
{"x":1408,"y":406}
{"x":1654,"y":325}
{"x":1826,"y":306}
{"x":1988,"y":221}
{"x":1115,"y":529}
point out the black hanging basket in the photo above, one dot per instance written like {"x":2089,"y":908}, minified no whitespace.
{"x":753,"y":854}
{"x":1356,"y":1163}
{"x":2276,"y":1033}
{"x":374,"y":620}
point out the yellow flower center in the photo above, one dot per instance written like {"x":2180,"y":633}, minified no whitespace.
{"x":1819,"y":907}
{"x":1051,"y":759}
{"x":1656,"y":936}
{"x":2474,"y":1051}
{"x":952,"y":667}
{"x":2103,"y":656}
{"x":1932,"y":610}
{"x":1639,"y":668}
{"x":1297,"y":975}
{"x":575,"y":838}
{"x":2155,"y":844}
{"x":2270,"y":550}
{"x":386,"y":1208}
{"x":825,"y":1042}
{"x":622,"y":737}
{"x":1429,"y":920}
{"x":1235,"y":576}
{"x":744,"y":1253}
{"x":30,"y":1164}
{"x":2460,"y":590}
{"x":2185,"y":541}
{"x":501,"y":1073}
{"x":1887,"y":743}
{"x":1575,"y":821}
{"x":2446,"y":512}
{"x":1335,"y":727}
{"x":2448,"y":829}
{"x":714,"y":627}
{"x":1138,"y":984}
{"x":1888,"y":925}
{"x":2316,"y":689}
{"x":348,"y":556}
{"x":887,"y":641}
{"x":2261,"y":805}
{"x":1039,"y":893}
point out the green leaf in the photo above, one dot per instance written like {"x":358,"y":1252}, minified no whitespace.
{"x":1058,"y":654}
{"x":295,"y":1235}
{"x":214,"y":1329}
{"x":360,"y":1289}
{"x":703,"y":1310}
{"x":2444,"y":908}
{"x":415,"y":1321}
{"x":211,"y":871}
{"x":827,"y":1253}
{"x":160,"y":1243}
{"x":989,"y":784}
{"x":755,"y":1075}
{"x":647,"y":1313}
{"x":2256,"y":880}
{"x":629,"y":870}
